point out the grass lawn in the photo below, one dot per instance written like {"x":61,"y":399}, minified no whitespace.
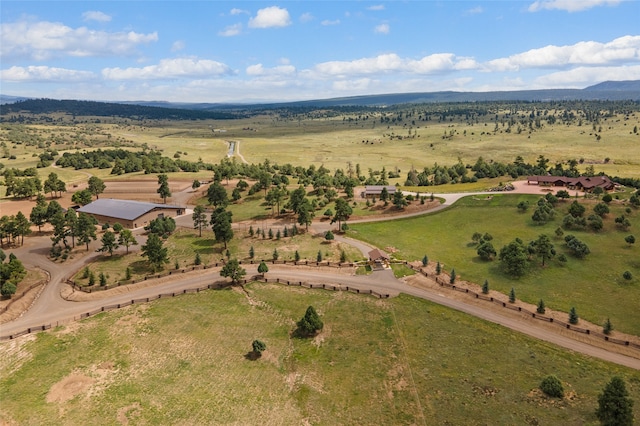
{"x":593,"y":285}
{"x":396,"y":361}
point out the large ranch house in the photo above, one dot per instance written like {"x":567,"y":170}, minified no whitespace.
{"x":582,"y":183}
{"x":130,"y":214}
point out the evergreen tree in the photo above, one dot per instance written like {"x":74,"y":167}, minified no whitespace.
{"x":573,"y":316}
{"x":541,"y":309}
{"x":199,"y":219}
{"x":615,"y":408}
{"x":485,"y":287}
{"x":258,"y":347}
{"x":252,"y":252}
{"x":275,"y":254}
{"x":197,"y":260}
{"x":310,"y":323}
{"x":319,"y":256}
{"x":263,"y":268}
{"x":296,"y":256}
{"x":425,"y":260}
{"x":438,"y":268}
{"x":452,"y":277}
{"x":607,"y":328}
{"x":512,"y":295}
{"x":163,"y":187}
{"x":154,"y":251}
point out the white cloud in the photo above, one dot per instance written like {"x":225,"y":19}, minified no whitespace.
{"x":177,"y":46}
{"x":236,"y":11}
{"x":382,"y":29}
{"x":622,"y":49}
{"x":306,"y":17}
{"x":170,"y":69}
{"x":258,"y":70}
{"x":44,"y":74}
{"x":270,"y":17}
{"x":327,"y":22}
{"x":44,"y":40}
{"x":231,"y":30}
{"x":376,"y":7}
{"x":94,"y":15}
{"x":584,"y":76}
{"x":392,"y":63}
{"x":570,"y":5}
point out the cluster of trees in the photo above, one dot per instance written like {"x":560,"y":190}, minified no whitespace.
{"x":13,"y":112}
{"x":11,"y":273}
{"x":461,"y":173}
{"x":122,"y":161}
{"x":14,"y":227}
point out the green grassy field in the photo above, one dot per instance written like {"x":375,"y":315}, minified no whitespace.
{"x":397,"y":361}
{"x":593,"y":285}
{"x":184,"y":244}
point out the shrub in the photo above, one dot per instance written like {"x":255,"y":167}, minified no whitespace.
{"x":627,"y":275}
{"x":552,"y":386}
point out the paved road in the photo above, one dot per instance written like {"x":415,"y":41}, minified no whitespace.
{"x":51,"y":307}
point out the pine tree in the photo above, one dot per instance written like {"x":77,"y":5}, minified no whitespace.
{"x":485,"y":287}
{"x":541,"y":308}
{"x":607,"y":328}
{"x":512,"y":295}
{"x":197,"y":260}
{"x":615,"y":408}
{"x":310,"y":322}
{"x":103,"y":279}
{"x":252,"y":253}
{"x":275,"y":254}
{"x":251,"y":230}
{"x":425,"y":260}
{"x":296,"y":256}
{"x":452,"y":277}
{"x":573,"y":316}
{"x":438,"y":268}
{"x":319,"y":256}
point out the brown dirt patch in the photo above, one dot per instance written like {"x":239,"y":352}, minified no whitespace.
{"x":68,"y":388}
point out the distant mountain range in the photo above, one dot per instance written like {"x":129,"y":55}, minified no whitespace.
{"x":608,"y":90}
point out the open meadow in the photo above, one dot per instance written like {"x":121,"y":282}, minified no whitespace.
{"x":396,"y":361}
{"x":594,"y":285}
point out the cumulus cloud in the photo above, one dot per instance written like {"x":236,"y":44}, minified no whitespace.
{"x":622,"y":49}
{"x":236,"y":11}
{"x":258,"y":70}
{"x":231,"y":30}
{"x":584,"y":76}
{"x":270,"y":17}
{"x":44,"y":40}
{"x":170,"y":69}
{"x":44,"y":74}
{"x":94,"y":15}
{"x":569,"y":5}
{"x":382,"y":29}
{"x":392,"y":63}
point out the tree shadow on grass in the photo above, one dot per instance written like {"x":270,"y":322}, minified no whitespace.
{"x":185,"y":236}
{"x":252,"y":356}
{"x":208,"y":242}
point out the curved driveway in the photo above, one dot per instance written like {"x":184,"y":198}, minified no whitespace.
{"x":51,"y":307}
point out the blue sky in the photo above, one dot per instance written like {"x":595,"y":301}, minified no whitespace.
{"x":247,"y":51}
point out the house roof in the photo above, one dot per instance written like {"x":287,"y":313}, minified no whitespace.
{"x":587,"y":182}
{"x":376,"y":254}
{"x":377,"y":189}
{"x":122,"y":209}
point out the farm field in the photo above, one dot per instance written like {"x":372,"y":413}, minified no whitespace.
{"x":594,"y":285}
{"x":394,"y":361}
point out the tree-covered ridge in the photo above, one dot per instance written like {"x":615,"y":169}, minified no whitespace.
{"x":123,"y":161}
{"x":11,"y":112}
